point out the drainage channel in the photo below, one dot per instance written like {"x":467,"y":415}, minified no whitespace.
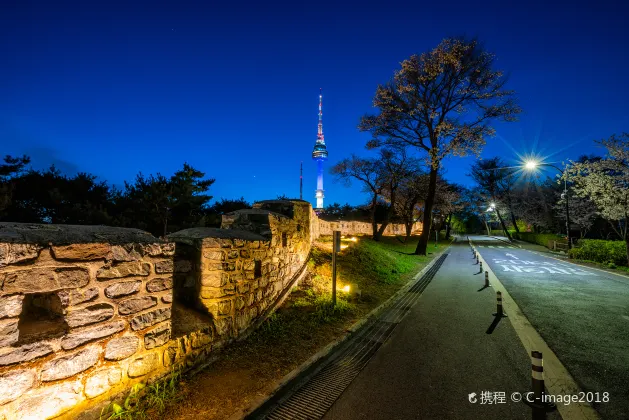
{"x":315,"y":397}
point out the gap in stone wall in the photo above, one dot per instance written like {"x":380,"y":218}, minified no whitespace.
{"x":186,"y":316}
{"x":41,"y":318}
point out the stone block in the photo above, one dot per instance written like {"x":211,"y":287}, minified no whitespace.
{"x":11,"y":306}
{"x":166,"y":266}
{"x":122,"y":289}
{"x":242,"y":287}
{"x":125,"y":253}
{"x":159,"y":284}
{"x":34,"y":280}
{"x":15,"y":253}
{"x":66,"y":366}
{"x":121,"y":347}
{"x":214,"y":255}
{"x":167,"y":298}
{"x":143,"y":365}
{"x":239,"y":303}
{"x":25,"y":353}
{"x":214,"y":279}
{"x":124,"y":269}
{"x":233,"y":254}
{"x":139,"y":322}
{"x":239,"y":243}
{"x":225,"y":307}
{"x":200,"y":339}
{"x":159,"y":250}
{"x":101,"y":381}
{"x":223,"y":326}
{"x":82,"y":252}
{"x":244,"y":253}
{"x":89,"y":315}
{"x":75,"y":297}
{"x":77,"y":338}
{"x":137,"y":304}
{"x":15,"y":383}
{"x":51,"y":401}
{"x":211,"y":292}
{"x":157,"y":336}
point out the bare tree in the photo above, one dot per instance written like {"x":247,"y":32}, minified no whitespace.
{"x":489,"y":176}
{"x":441,"y":103}
{"x":368,"y":172}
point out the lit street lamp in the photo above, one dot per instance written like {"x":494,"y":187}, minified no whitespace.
{"x":531,"y":165}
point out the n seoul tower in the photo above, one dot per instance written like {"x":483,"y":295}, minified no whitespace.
{"x":320,"y":155}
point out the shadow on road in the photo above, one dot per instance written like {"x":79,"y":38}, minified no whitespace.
{"x":494,"y":324}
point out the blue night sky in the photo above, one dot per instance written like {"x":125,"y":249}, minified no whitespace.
{"x":114,"y":88}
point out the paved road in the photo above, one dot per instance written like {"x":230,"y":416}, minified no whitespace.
{"x":440,"y":353}
{"x":582,"y":314}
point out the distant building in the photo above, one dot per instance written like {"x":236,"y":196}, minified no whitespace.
{"x":320,"y":155}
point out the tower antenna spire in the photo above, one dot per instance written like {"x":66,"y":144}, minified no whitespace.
{"x":320,"y":154}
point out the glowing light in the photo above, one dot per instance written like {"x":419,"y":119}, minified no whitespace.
{"x":492,"y":205}
{"x":354,"y":239}
{"x":346,"y":289}
{"x":531,"y":164}
{"x":344,"y":246}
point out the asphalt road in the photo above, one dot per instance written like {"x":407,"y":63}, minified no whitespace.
{"x":582,"y":314}
{"x":440,"y":353}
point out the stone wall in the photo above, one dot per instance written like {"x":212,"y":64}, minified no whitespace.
{"x":80,"y":317}
{"x":86,"y":312}
{"x":364,"y":228}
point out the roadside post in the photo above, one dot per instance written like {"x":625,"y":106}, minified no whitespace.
{"x":539,"y":406}
{"x":336,"y":247}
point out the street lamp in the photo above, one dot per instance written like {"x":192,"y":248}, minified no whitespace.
{"x":531,"y":165}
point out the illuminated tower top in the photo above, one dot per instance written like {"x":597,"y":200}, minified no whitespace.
{"x":320,"y":152}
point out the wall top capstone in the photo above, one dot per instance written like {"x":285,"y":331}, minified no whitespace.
{"x":200,"y":233}
{"x":44,"y":234}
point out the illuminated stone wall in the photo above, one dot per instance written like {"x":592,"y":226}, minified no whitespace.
{"x":364,"y":228}
{"x":88,"y":311}
{"x":80,"y":314}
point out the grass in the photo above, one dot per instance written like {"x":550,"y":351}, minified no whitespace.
{"x":146,"y":402}
{"x":305,"y":323}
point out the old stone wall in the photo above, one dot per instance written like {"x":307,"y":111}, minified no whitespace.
{"x":86,"y":312}
{"x":363,"y":228}
{"x":79,"y":315}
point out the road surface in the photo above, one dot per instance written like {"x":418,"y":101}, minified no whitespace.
{"x":440,"y":353}
{"x":582,"y":314}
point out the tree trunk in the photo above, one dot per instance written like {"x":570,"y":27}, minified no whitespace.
{"x":409,"y":229}
{"x":515,"y":225}
{"x":448,"y":220}
{"x":387,"y":218}
{"x":422,"y":245}
{"x":627,"y":247}
{"x":504,"y":228}
{"x":374,"y":225}
{"x":487,"y":227}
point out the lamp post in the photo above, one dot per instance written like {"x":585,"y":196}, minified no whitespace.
{"x":531,"y":165}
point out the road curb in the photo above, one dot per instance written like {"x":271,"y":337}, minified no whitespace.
{"x":302,"y":369}
{"x":557,"y":378}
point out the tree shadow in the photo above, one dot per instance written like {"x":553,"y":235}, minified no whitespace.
{"x":483,"y":288}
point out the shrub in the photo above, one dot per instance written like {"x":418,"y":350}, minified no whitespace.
{"x":600,"y":251}
{"x":544,"y":239}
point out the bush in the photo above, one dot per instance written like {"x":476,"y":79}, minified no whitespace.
{"x":611,"y":253}
{"x":544,"y":239}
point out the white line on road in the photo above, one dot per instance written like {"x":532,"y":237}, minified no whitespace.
{"x":512,"y":256}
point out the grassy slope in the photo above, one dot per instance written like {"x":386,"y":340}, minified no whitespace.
{"x":304,"y":324}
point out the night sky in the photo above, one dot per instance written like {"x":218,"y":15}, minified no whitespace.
{"x":232,"y":87}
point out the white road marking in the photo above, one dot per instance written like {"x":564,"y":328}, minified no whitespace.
{"x":512,"y":256}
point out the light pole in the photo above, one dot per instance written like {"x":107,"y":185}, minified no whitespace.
{"x":531,"y":165}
